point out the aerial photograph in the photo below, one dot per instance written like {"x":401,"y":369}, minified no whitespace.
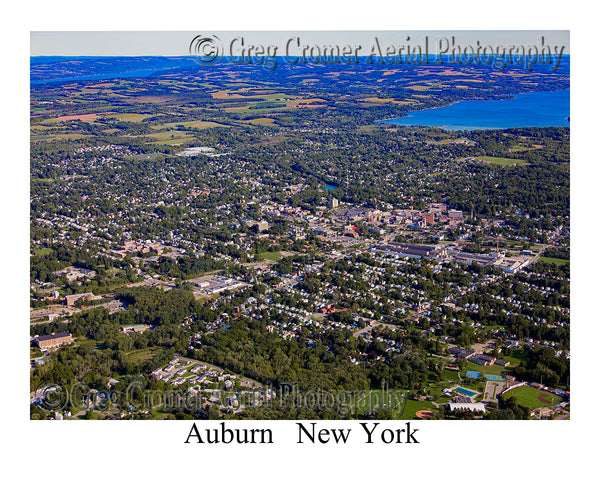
{"x":360,"y":226}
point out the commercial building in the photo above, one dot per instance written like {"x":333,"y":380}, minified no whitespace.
{"x":72,"y":299}
{"x":460,"y":352}
{"x":408,"y":250}
{"x":53,"y":340}
{"x":134,"y":329}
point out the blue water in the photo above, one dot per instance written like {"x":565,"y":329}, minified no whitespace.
{"x":63,"y":69}
{"x":536,"y":109}
{"x":468,"y":393}
{"x":328,"y":186}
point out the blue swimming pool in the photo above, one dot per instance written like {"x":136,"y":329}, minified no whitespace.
{"x":466,"y":392}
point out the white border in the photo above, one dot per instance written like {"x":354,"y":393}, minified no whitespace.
{"x":490,"y":449}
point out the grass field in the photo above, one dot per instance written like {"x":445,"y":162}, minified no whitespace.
{"x":533,"y":398}
{"x":555,"y":261}
{"x":412,"y":407}
{"x":491,"y":369}
{"x":141,"y":356}
{"x":451,"y":375}
{"x":260,"y":121}
{"x":129,"y":117}
{"x":515,"y":359}
{"x":274,"y":256}
{"x":500,"y":160}
{"x":196,"y":124}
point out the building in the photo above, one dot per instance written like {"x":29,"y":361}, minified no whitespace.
{"x":512,"y":264}
{"x":460,"y":352}
{"x":462,"y":400}
{"x":134,"y":329}
{"x":479,"y":258}
{"x":455,"y":216}
{"x":53,"y":340}
{"x":75,"y":273}
{"x":408,"y":250}
{"x":428,"y":218}
{"x":334,"y":203}
{"x":72,"y":299}
{"x":473,"y":407}
{"x":262,"y":226}
{"x":481,"y":359}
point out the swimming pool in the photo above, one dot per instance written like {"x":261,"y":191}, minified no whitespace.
{"x":464,"y":391}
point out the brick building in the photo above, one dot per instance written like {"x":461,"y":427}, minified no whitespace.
{"x":53,"y":340}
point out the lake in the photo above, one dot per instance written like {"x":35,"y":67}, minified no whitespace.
{"x":536,"y":109}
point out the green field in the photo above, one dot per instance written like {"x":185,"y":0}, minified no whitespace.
{"x":412,"y":407}
{"x":516,"y":358}
{"x":555,"y":261}
{"x":451,"y":375}
{"x":174,"y":141}
{"x":196,"y":124}
{"x":528,"y":397}
{"x":274,"y":256}
{"x":500,"y":160}
{"x":143,"y":355}
{"x":489,"y":369}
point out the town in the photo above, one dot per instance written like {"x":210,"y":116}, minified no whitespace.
{"x":220,"y":240}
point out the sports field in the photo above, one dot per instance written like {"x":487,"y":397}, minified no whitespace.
{"x":274,"y":256}
{"x":555,"y":261}
{"x":533,"y":398}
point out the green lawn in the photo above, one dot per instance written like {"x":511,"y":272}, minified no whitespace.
{"x":174,"y":141}
{"x":501,"y":160}
{"x":451,"y":375}
{"x":412,"y":407}
{"x":274,"y":256}
{"x":142,"y":355}
{"x":514,"y":359}
{"x":556,"y":261}
{"x":490,"y":369}
{"x":528,"y":397}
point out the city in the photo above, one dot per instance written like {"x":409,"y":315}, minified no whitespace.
{"x":222,"y":233}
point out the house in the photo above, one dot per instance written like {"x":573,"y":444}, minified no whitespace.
{"x":53,"y":340}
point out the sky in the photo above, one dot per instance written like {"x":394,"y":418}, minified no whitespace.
{"x":176,"y":43}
